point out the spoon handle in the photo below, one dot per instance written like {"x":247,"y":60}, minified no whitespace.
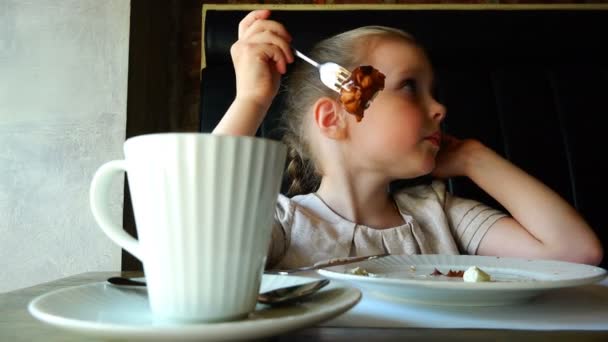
{"x":274,"y":297}
{"x":125,"y":281}
{"x":288,"y":294}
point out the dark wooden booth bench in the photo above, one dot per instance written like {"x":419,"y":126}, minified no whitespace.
{"x":531,"y":82}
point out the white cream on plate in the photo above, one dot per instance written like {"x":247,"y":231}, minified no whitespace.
{"x":475,"y":275}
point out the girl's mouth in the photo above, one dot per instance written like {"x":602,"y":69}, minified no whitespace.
{"x":434,"y":139}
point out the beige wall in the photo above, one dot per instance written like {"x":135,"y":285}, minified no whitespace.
{"x":63,"y":92}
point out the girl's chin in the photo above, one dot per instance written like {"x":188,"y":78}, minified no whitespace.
{"x":414,"y":169}
{"x":429,"y":166}
{"x":423,"y":171}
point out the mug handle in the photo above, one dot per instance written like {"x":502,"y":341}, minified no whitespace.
{"x":99,"y":206}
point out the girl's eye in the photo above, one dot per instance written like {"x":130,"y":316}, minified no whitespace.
{"x":410,"y":85}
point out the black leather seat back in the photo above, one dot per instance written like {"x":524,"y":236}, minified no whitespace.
{"x":531,"y":84}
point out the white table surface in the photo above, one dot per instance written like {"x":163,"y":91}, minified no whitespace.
{"x":578,"y":308}
{"x":564,"y":315}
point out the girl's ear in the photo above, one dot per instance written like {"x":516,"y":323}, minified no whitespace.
{"x":329,"y":118}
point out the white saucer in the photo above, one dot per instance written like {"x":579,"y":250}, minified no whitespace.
{"x":104,"y":310}
{"x":408,"y":278}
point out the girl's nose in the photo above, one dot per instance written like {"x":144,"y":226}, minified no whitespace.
{"x":437,"y":111}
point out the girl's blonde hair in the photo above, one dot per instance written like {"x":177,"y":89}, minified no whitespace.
{"x":304,"y":87}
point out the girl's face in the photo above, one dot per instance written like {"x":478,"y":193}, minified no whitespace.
{"x":399,"y":135}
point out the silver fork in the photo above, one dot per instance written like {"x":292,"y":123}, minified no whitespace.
{"x":332,"y":74}
{"x":328,"y":263}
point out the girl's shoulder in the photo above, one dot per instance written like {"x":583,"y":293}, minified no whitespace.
{"x":436,"y":189}
{"x":296,"y":201}
{"x":307,"y":205}
{"x":423,"y":200}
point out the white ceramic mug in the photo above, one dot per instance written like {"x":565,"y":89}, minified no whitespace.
{"x":203,"y":207}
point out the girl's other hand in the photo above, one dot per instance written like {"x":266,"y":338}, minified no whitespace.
{"x":260,"y":56}
{"x":455,"y":156}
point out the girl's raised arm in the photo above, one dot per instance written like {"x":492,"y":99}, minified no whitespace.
{"x":260,"y":56}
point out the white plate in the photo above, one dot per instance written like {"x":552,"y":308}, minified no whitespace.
{"x":101,"y":309}
{"x":408,"y":278}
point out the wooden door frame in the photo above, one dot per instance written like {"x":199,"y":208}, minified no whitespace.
{"x":164,"y":75}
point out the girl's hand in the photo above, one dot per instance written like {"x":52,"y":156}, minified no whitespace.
{"x":260,"y":56}
{"x":454,"y":156}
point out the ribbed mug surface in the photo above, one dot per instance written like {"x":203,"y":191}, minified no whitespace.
{"x":203,"y":207}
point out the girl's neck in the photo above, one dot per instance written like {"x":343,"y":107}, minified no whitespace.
{"x":360,"y":201}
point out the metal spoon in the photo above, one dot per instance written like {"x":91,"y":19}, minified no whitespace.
{"x":278,"y":296}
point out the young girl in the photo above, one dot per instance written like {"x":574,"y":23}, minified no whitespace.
{"x":341,"y":168}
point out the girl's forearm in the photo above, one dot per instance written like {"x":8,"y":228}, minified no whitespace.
{"x":540,"y":210}
{"x":242,"y":118}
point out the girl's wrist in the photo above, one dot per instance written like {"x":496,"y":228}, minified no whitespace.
{"x":252,"y":106}
{"x":477,"y":156}
{"x":244,"y":117}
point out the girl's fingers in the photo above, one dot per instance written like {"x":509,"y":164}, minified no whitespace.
{"x":254,"y":28}
{"x":266,"y":25}
{"x":250,"y":18}
{"x":246,"y":54}
{"x":271,"y":38}
{"x":274,"y":55}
